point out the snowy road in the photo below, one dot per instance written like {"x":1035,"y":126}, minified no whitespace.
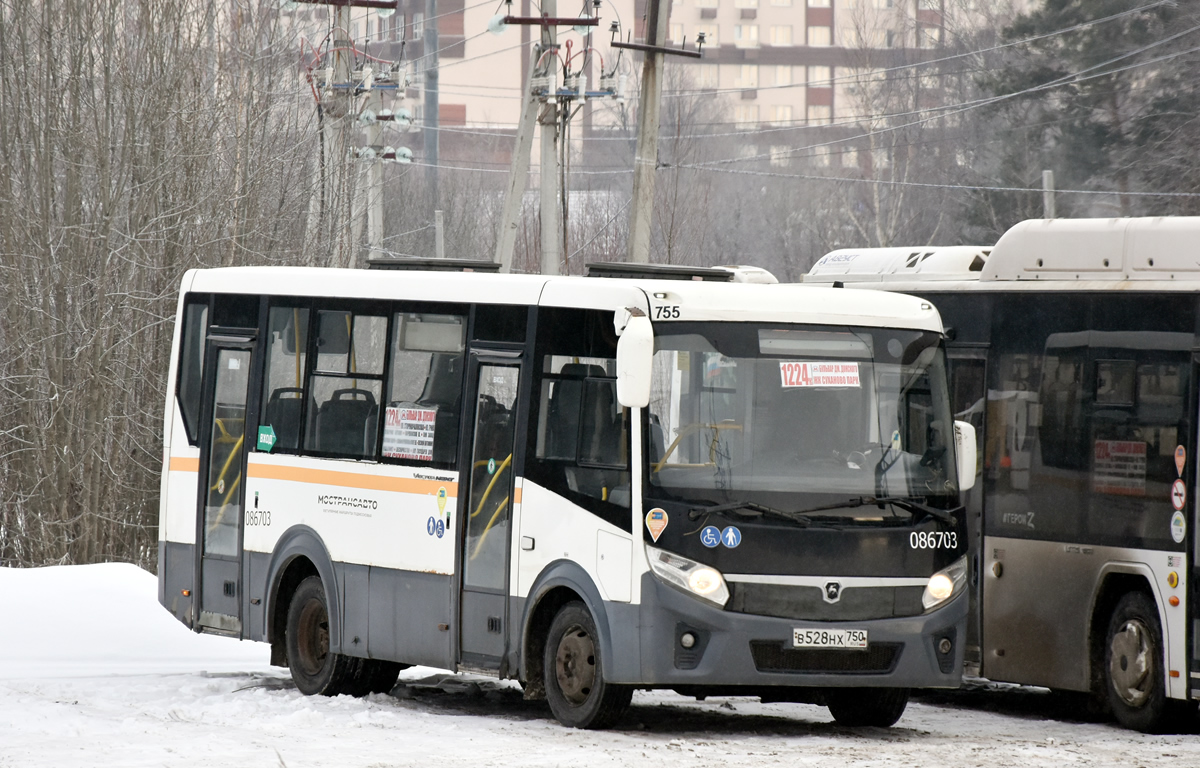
{"x":116,"y":682}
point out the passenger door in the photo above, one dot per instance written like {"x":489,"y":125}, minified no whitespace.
{"x":489,"y":464}
{"x":968,"y":400}
{"x":221,"y":489}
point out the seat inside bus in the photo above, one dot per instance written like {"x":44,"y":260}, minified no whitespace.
{"x":282,"y":413}
{"x":346,"y":422}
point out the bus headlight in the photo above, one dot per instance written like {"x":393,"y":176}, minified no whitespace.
{"x":945,"y":584}
{"x":699,"y":579}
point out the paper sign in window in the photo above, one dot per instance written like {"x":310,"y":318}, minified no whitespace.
{"x":817,"y":374}
{"x":1119,"y":467}
{"x":408,"y":432}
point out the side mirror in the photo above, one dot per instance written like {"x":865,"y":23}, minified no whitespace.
{"x":965,"y":451}
{"x":635,"y":353}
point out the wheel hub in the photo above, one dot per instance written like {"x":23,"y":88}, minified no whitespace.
{"x":313,"y":640}
{"x":575,"y":665}
{"x":1132,"y":664}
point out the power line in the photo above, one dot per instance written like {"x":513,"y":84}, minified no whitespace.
{"x":930,"y":185}
{"x":962,"y":107}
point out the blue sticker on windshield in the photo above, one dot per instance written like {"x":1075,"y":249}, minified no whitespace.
{"x":731,"y":537}
{"x":710,"y":536}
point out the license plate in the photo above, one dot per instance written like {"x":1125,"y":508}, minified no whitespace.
{"x":830,"y":638}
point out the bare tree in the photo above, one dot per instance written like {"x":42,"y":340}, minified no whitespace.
{"x":140,"y":139}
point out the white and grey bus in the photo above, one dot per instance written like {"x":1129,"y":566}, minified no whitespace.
{"x":1075,"y":351}
{"x":588,"y":484}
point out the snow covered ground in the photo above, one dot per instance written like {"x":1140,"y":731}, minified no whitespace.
{"x":94,"y":673}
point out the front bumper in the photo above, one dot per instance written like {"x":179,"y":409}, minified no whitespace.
{"x":738,"y":649}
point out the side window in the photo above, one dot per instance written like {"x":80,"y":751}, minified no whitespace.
{"x":191,"y":365}
{"x":582,"y":432}
{"x":424,"y":402}
{"x":283,"y":386}
{"x":347,"y":385}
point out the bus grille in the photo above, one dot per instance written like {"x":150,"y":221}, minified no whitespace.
{"x":771,"y":656}
{"x":808,"y":604}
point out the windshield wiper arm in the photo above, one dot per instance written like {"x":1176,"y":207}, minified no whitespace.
{"x":759,"y":510}
{"x":910,"y":505}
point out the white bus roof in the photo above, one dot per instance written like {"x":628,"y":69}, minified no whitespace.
{"x":696,"y":300}
{"x":958,"y":262}
{"x":1080,"y":252}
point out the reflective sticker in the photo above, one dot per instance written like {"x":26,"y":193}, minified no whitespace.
{"x":441,"y":499}
{"x":814,"y":374}
{"x":441,"y":528}
{"x":1178,"y":527}
{"x":896,"y":440}
{"x":1178,"y":498}
{"x":431,"y":526}
{"x":710,"y":536}
{"x":656,"y":522}
{"x":731,"y":537}
{"x":1180,"y":459}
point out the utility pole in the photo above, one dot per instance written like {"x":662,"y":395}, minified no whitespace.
{"x":645,"y":158}
{"x":543,"y":102}
{"x":518,"y":172}
{"x":551,"y":220}
{"x":429,"y":55}
{"x":1048,"y":195}
{"x":342,"y":85}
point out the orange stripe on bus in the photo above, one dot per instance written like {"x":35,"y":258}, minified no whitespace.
{"x":351,"y":479}
{"x":181,"y":464}
{"x":516,"y":496}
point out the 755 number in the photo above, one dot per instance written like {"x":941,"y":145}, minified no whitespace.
{"x":664,"y":312}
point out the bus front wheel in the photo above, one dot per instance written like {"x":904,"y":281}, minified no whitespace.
{"x":880,"y":707}
{"x":316,"y":670}
{"x":572,"y":668}
{"x":1133,"y":665}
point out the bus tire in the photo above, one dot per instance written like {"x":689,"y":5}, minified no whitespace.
{"x":879,"y":707}
{"x":316,"y":670}
{"x":1133,"y":665}
{"x":573,"y":673}
{"x":380,"y":676}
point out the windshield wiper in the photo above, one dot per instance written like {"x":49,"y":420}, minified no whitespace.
{"x":914,"y":506}
{"x":755,"y":509}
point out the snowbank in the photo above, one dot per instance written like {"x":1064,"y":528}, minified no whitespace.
{"x":89,"y":620}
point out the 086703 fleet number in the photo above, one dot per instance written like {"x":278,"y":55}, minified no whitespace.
{"x":933,"y":540}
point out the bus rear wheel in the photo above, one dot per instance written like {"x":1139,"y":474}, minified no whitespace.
{"x":880,"y":707}
{"x":1133,"y":665}
{"x":315,"y":669}
{"x":573,"y":671}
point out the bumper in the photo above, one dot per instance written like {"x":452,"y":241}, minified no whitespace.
{"x":738,"y":649}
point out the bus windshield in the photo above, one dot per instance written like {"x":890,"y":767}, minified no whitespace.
{"x":795,"y":417}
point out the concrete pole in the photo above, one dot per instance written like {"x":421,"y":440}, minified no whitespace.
{"x":646,"y":155}
{"x":375,"y":179}
{"x":430,"y":68}
{"x":1048,"y":195}
{"x":340,"y":167}
{"x":439,"y":235}
{"x":518,"y":172}
{"x":551,"y":213}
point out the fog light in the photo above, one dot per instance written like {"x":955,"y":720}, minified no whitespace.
{"x":944,"y":646}
{"x":687,"y":640}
